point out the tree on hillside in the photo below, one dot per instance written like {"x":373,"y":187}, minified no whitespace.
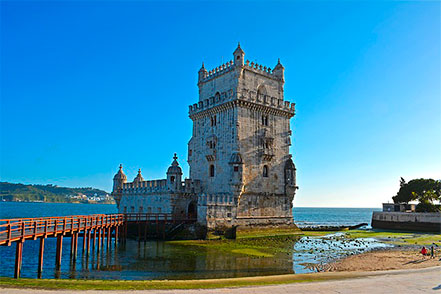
{"x":425,"y":191}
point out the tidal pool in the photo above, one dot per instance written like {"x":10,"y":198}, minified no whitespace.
{"x":194,"y":259}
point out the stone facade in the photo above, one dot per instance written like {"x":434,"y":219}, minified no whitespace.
{"x":240,"y":168}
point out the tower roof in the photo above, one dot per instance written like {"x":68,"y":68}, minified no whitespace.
{"x":174,"y":168}
{"x":202,"y":68}
{"x":138,"y":177}
{"x":120,"y":174}
{"x":238,"y":50}
{"x":278,"y":65}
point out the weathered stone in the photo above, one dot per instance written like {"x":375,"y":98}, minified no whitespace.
{"x":240,"y":168}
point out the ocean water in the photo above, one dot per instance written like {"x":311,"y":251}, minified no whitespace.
{"x":303,"y":216}
{"x":163,"y":260}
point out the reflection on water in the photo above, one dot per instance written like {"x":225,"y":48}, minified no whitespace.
{"x":163,"y":260}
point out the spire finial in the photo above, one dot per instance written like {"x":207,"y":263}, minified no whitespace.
{"x":278,"y":60}
{"x":120,"y":166}
{"x":139,"y":171}
{"x":238,"y":44}
{"x":175,"y":157}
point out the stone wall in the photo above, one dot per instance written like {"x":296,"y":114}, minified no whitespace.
{"x":408,"y":221}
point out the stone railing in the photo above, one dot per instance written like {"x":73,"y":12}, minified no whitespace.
{"x":215,"y":199}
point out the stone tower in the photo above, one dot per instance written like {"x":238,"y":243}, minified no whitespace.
{"x":239,"y":148}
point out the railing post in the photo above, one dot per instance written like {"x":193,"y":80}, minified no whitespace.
{"x":23,"y":230}
{"x":35,"y":230}
{"x":9,"y":233}
{"x":45,"y":228}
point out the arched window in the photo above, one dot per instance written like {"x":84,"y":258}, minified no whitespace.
{"x":172,"y":179}
{"x":211,"y":170}
{"x":265,"y":171}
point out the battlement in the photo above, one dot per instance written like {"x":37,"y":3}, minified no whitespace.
{"x":157,"y":186}
{"x":217,"y":71}
{"x":230,"y":65}
{"x":145,"y":186}
{"x":245,"y":95}
{"x":259,"y":68}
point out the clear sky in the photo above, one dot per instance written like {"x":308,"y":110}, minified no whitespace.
{"x":86,"y":86}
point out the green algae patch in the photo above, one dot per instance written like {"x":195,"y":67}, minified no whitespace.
{"x":170,"y":284}
{"x":252,"y":252}
{"x":264,"y":246}
{"x":397,"y":238}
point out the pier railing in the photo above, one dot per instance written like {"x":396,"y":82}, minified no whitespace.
{"x":12,"y":230}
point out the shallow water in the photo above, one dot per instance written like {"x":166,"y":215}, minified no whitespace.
{"x":164,"y":260}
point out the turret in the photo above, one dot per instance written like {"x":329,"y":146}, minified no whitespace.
{"x":290,"y":174}
{"x":236,"y":165}
{"x":239,"y":56}
{"x":279,"y":71}
{"x":118,"y":180}
{"x":174,"y":175}
{"x":202,"y":73}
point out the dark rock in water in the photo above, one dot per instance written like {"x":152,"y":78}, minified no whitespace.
{"x":332,"y":228}
{"x":230,"y":233}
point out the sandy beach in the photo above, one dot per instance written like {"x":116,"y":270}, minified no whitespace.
{"x":391,"y":259}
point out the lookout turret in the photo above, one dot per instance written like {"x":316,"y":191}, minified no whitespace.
{"x":174,"y":174}
{"x":118,"y":180}
{"x":239,"y":56}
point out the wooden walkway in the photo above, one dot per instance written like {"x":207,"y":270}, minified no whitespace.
{"x":98,"y":229}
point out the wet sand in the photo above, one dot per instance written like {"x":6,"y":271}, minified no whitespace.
{"x":390,"y":259}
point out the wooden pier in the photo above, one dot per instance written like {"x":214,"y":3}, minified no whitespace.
{"x":97,"y":231}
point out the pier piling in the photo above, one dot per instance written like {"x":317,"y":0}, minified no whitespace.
{"x":40,"y":257}
{"x":58,"y":252}
{"x":18,"y":258}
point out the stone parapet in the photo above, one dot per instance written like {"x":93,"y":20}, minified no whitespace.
{"x":408,"y":221}
{"x":264,"y":103}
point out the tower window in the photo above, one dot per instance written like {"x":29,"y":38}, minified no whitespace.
{"x":213,"y":120}
{"x":265,"y":120}
{"x":236,"y":168}
{"x":265,"y":171}
{"x":172,"y":179}
{"x":211,"y":170}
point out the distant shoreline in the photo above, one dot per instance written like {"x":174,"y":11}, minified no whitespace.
{"x":59,"y":202}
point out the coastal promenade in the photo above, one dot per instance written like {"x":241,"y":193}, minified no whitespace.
{"x":427,"y":280}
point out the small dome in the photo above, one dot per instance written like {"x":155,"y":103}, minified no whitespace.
{"x":139,"y":177}
{"x":174,"y":168}
{"x":236,"y":158}
{"x":120,"y":174}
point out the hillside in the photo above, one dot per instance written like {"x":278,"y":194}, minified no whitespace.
{"x":52,"y":193}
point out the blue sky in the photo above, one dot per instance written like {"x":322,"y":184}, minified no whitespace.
{"x":86,"y":86}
